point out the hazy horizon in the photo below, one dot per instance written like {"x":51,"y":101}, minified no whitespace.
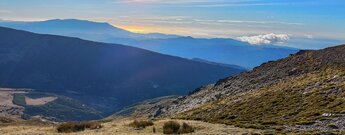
{"x":300,"y":24}
{"x":172,"y":67}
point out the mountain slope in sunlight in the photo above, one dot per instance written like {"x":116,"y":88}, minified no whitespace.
{"x":304,"y":92}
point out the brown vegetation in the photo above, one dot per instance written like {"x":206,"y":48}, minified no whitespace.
{"x":120,"y":127}
{"x":172,"y":127}
{"x":77,"y":126}
{"x":299,"y":100}
{"x":186,"y":129}
{"x":140,"y":124}
{"x":6,"y":120}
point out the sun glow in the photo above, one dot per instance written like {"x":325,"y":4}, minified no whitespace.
{"x":155,"y":29}
{"x":160,"y":29}
{"x":138,"y":29}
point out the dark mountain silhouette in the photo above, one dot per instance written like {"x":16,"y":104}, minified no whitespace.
{"x":220,"y":50}
{"x":92,"y":71}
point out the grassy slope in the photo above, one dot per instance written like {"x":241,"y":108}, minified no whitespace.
{"x":298,"y":100}
{"x":120,"y":127}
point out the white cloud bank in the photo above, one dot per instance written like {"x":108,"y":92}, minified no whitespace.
{"x":265,"y":39}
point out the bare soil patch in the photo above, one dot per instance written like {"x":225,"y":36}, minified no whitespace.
{"x":39,"y":101}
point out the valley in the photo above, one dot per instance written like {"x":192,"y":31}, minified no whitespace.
{"x":303,"y":93}
{"x":74,"y":79}
{"x":178,"y":67}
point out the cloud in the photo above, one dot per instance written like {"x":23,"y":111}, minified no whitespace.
{"x":309,"y":36}
{"x":194,"y":20}
{"x":265,"y":39}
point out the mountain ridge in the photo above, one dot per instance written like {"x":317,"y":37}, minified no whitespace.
{"x":79,"y":28}
{"x":97,"y":74}
{"x":220,"y":50}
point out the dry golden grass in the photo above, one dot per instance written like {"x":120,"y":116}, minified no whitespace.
{"x":297,"y":100}
{"x":120,"y":127}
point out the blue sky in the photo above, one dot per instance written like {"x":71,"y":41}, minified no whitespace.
{"x":300,"y":20}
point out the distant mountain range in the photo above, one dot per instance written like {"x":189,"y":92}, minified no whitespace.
{"x":103,"y":77}
{"x":220,"y":50}
{"x":220,"y":64}
{"x":80,"y":28}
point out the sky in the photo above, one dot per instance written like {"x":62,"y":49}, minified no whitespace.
{"x":289,"y":22}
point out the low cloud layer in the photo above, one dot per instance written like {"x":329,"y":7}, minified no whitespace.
{"x":265,"y":39}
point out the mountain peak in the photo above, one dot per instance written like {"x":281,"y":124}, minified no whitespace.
{"x":79,"y":23}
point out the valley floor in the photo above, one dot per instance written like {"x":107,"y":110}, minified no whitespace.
{"x":120,"y":127}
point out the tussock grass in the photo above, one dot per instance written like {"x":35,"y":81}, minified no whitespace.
{"x":172,"y":127}
{"x":6,"y":120}
{"x":141,"y":124}
{"x":185,"y":128}
{"x":70,"y":127}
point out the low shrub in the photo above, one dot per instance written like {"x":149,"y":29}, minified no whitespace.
{"x":333,"y":126}
{"x":77,"y":126}
{"x":154,"y":129}
{"x":305,"y":122}
{"x":6,"y":120}
{"x":268,"y":122}
{"x":141,"y":124}
{"x":186,"y":129}
{"x":172,"y":127}
{"x":253,"y":126}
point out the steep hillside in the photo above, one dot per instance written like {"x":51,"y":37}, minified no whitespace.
{"x":305,"y":91}
{"x":104,"y":76}
{"x":220,"y":50}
